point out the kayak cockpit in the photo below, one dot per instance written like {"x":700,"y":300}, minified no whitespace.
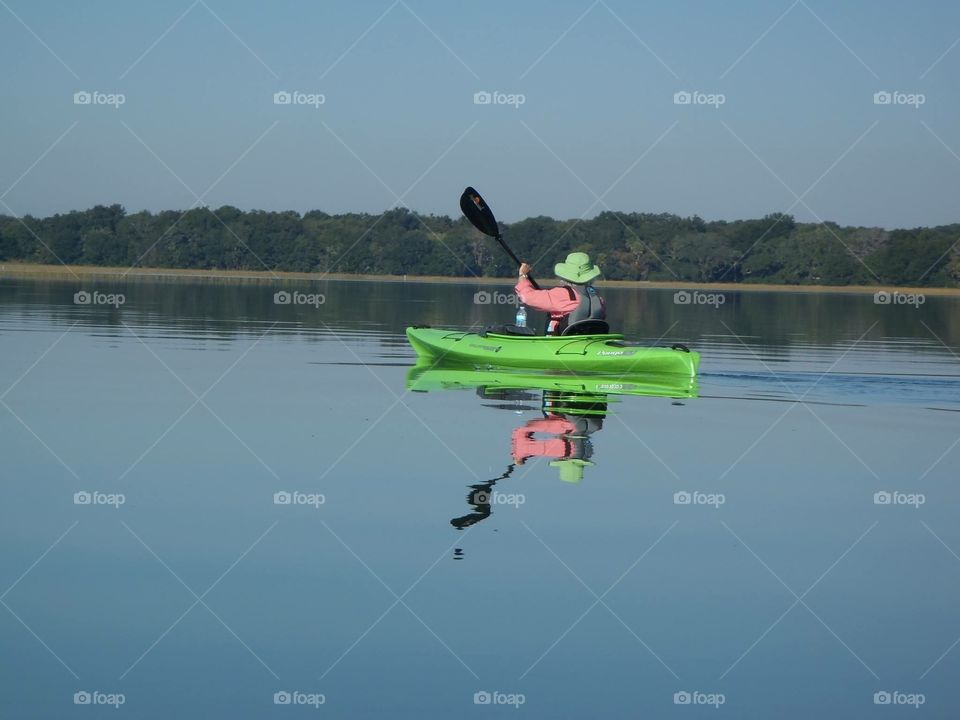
{"x":510,"y":330}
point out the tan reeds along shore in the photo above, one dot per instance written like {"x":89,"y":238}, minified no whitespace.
{"x":76,"y":272}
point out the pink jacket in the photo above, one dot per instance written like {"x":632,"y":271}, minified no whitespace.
{"x":555,"y":301}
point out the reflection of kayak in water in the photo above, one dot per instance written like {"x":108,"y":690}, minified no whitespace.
{"x":575,"y":353}
{"x":425,"y":378}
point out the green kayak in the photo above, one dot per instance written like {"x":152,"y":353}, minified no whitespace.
{"x":573,"y":353}
{"x":424,"y":377}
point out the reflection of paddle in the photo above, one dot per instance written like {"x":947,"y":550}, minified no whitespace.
{"x":480,"y":214}
{"x":479,"y":498}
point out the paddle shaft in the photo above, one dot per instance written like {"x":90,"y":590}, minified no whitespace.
{"x":499,"y":239}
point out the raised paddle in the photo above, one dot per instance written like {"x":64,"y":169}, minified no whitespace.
{"x":479,"y":213}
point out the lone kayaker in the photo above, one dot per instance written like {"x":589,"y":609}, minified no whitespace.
{"x":573,"y":301}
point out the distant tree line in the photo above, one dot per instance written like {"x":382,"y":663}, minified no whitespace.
{"x":628,"y":246}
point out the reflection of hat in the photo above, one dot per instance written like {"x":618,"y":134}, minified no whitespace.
{"x":577,"y":269}
{"x":571,"y":470}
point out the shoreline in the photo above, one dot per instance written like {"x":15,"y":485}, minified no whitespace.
{"x":80,"y":272}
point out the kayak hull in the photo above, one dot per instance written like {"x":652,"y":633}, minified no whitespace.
{"x":425,"y":377}
{"x":573,"y":353}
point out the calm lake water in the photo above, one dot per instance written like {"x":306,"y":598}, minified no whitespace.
{"x":146,"y":557}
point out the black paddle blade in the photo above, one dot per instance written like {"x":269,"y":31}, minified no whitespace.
{"x":479,"y":213}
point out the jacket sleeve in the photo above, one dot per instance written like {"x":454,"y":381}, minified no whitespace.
{"x":555,"y":301}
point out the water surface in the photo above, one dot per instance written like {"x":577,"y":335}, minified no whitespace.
{"x":787,"y":589}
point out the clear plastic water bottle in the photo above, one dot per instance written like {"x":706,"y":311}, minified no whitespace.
{"x":521,"y":316}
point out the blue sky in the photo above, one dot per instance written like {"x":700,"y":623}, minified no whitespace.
{"x":399,"y":122}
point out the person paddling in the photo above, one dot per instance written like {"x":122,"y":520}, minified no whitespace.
{"x":573,"y":301}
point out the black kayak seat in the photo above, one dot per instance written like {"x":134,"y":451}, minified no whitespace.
{"x":587,"y":327}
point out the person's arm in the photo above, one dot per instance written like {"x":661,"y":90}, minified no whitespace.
{"x":555,"y":301}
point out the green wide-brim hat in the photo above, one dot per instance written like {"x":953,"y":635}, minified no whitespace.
{"x":577,"y":269}
{"x":571,"y":470}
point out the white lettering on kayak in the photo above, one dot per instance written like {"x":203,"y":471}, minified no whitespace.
{"x":605,"y":353}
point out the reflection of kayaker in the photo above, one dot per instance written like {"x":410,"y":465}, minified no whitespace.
{"x":575,"y":302}
{"x":568,"y":423}
{"x":524,"y":445}
{"x":568,"y":420}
